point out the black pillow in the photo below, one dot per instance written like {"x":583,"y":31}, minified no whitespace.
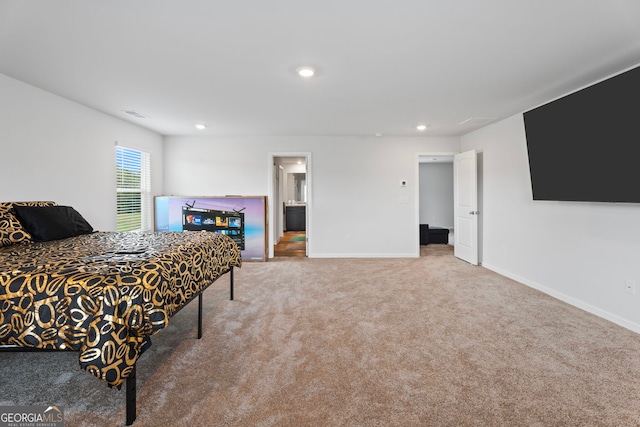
{"x":46,"y":223}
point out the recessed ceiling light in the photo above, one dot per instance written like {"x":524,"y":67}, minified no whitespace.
{"x":306,"y":71}
{"x":378,"y":133}
{"x":201,"y":126}
{"x":421,"y":127}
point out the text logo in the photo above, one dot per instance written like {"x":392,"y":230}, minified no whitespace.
{"x":31,"y":416}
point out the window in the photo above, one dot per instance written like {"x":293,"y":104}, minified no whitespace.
{"x":133,"y":171}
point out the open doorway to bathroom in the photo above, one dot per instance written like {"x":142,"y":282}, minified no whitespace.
{"x":290,"y":201}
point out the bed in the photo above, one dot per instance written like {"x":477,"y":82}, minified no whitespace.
{"x":103,"y":294}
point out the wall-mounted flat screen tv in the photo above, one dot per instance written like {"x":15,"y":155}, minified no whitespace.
{"x":586,"y":146}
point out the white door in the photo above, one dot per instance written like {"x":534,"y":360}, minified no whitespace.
{"x":465,"y":199}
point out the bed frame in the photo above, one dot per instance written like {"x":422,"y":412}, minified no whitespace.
{"x":103,"y":252}
{"x":130,"y":383}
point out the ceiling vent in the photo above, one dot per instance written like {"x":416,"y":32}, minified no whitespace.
{"x":135,"y":114}
{"x":477,"y":121}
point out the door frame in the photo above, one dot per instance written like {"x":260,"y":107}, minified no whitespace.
{"x":271,"y":191}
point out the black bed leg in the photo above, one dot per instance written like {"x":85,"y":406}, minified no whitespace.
{"x":200,"y":315}
{"x":131,"y":396}
{"x":231,"y":283}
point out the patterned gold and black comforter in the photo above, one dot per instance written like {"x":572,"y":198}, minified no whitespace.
{"x":105,"y":294}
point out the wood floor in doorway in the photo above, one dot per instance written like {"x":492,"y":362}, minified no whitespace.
{"x":292,"y":243}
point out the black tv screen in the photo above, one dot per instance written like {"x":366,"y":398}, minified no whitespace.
{"x":586,"y":145}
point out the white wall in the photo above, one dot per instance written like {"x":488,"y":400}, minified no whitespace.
{"x":55,"y":149}
{"x":579,"y":252}
{"x":358,"y":207}
{"x":436,"y":194}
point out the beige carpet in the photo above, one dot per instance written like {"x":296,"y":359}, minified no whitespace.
{"x":364,"y":342}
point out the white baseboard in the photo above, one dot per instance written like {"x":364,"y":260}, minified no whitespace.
{"x":357,"y":255}
{"x":635,"y":327}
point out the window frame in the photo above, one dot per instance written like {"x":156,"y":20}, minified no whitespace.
{"x":136,"y":215}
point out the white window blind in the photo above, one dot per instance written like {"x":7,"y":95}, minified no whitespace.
{"x":133,"y":171}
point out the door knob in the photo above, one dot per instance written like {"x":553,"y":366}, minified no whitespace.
{"x":474,"y":213}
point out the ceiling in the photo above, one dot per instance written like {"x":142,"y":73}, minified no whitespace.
{"x":436,"y":159}
{"x":290,"y":160}
{"x":383,"y":66}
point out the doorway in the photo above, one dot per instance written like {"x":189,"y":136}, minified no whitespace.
{"x":435,"y":200}
{"x":290,"y":202}
{"x":459,"y":184}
